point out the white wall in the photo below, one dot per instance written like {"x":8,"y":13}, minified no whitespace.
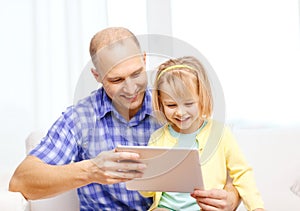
{"x":44,"y":48}
{"x":254,"y":47}
{"x":16,"y":80}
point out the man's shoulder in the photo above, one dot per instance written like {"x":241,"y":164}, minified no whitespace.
{"x":91,"y":103}
{"x":93,"y":96}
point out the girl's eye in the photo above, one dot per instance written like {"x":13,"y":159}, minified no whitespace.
{"x":189,"y":104}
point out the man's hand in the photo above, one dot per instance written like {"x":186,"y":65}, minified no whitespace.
{"x":113,"y":167}
{"x":214,"y":200}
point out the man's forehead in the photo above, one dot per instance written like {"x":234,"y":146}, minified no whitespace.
{"x":126,"y":68}
{"x":114,"y":54}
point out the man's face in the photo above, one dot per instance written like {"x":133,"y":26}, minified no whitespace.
{"x":121,"y":70}
{"x":125,"y":84}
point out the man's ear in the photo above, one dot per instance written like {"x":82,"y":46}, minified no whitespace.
{"x":96,"y":75}
{"x":144,"y":57}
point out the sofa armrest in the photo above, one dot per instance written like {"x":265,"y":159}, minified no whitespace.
{"x":13,"y":201}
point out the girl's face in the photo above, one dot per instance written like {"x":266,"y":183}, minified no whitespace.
{"x":182,"y":112}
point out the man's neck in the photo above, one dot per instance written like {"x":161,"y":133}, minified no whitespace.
{"x":127,"y":113}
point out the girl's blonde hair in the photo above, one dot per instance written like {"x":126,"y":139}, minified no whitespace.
{"x":183,"y":74}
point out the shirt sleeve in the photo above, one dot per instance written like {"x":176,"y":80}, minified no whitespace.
{"x":59,"y":145}
{"x":241,"y":173}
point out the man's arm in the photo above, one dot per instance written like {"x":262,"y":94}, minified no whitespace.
{"x":36,"y":179}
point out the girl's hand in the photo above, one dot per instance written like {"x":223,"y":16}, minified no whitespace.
{"x":215,"y":200}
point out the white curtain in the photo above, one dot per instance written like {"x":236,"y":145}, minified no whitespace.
{"x":62,"y":31}
{"x":44,"y":48}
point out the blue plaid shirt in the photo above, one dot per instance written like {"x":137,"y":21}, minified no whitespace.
{"x":88,"y":128}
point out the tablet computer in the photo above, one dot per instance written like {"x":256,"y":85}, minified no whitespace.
{"x":168,"y":169}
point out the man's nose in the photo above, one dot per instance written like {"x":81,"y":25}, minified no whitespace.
{"x":129,"y":86}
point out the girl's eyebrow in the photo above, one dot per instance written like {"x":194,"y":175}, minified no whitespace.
{"x":169,"y":101}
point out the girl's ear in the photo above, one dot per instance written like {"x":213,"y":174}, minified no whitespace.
{"x":96,"y":75}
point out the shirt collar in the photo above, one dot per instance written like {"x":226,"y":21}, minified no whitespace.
{"x":103,"y":103}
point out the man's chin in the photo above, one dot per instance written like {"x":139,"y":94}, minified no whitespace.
{"x":128,"y":105}
{"x":134,"y":102}
{"x":133,"y":105}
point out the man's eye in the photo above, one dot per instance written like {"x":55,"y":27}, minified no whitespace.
{"x":115,"y":81}
{"x":135,"y":75}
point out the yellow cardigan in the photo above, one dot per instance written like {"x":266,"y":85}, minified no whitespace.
{"x":225,"y":155}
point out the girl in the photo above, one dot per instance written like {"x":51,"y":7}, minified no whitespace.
{"x":182,"y":98}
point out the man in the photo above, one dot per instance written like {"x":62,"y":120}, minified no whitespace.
{"x":78,"y":150}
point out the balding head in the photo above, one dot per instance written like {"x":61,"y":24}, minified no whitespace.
{"x":109,"y":36}
{"x":112,"y":46}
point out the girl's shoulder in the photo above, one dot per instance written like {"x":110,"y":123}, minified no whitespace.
{"x":158,"y":134}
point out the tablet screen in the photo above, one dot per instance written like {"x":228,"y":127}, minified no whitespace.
{"x":168,"y":169}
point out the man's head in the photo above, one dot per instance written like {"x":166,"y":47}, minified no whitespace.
{"x":120,"y":67}
{"x":111,"y":46}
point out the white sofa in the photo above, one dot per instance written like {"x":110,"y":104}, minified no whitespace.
{"x":272,"y":152}
{"x":11,"y":201}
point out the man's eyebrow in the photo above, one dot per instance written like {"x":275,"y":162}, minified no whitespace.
{"x":138,"y":70}
{"x":135,"y":72}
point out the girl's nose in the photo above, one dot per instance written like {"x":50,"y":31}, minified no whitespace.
{"x":180,"y":111}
